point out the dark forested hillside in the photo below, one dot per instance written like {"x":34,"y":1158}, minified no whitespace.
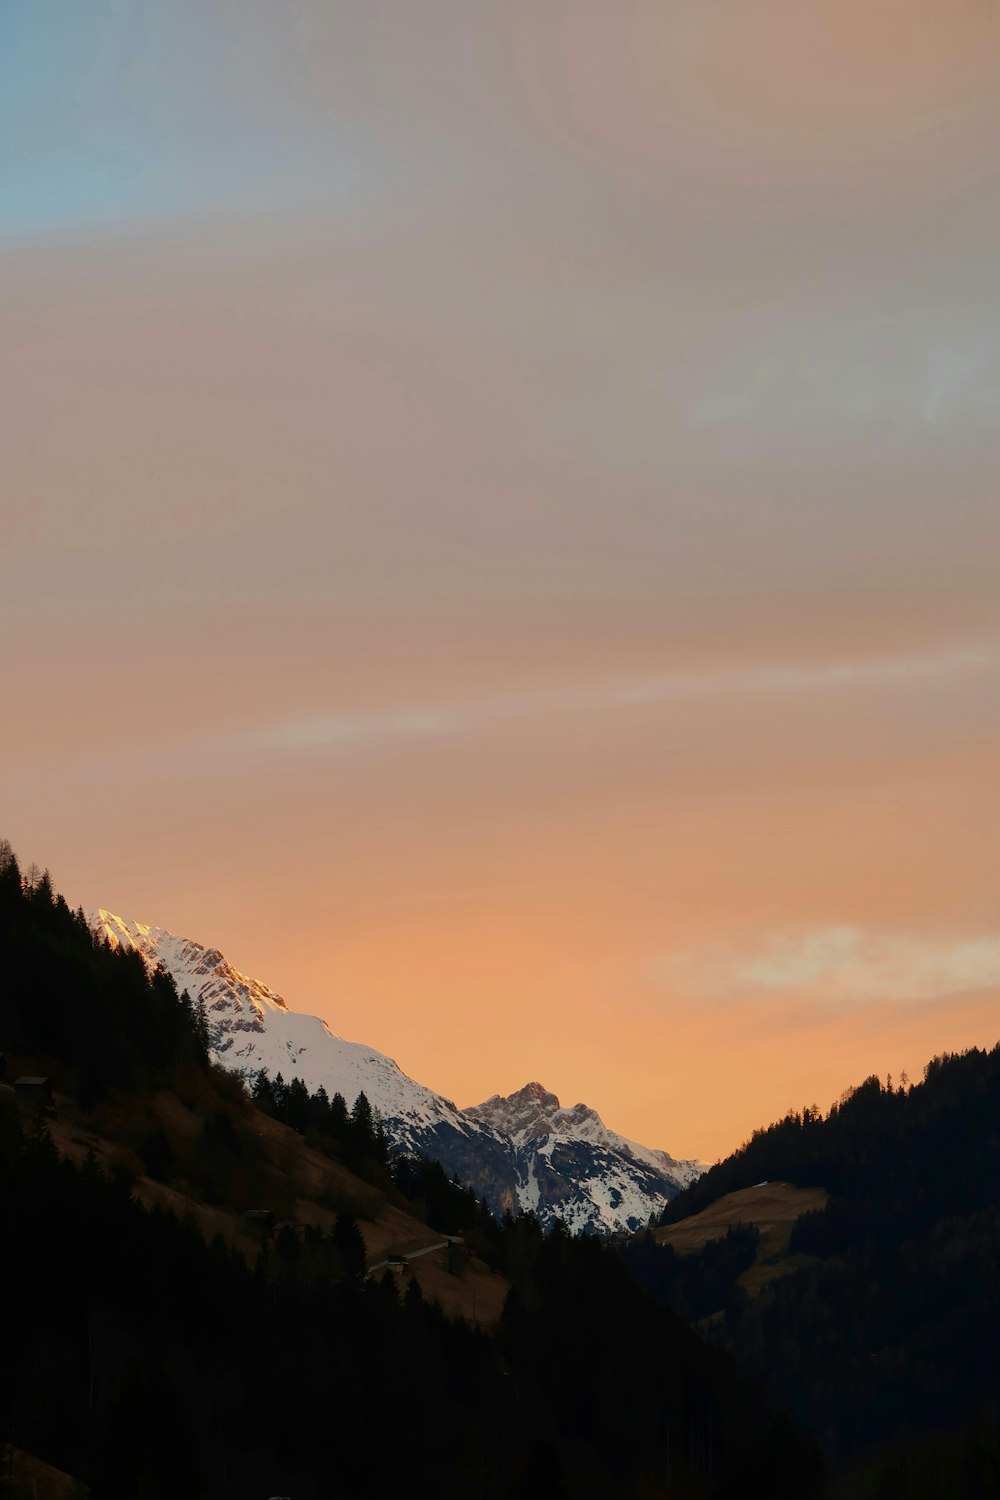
{"x":149,"y":1359}
{"x":92,"y":1018}
{"x":888,"y":1333}
{"x":914,"y":1148}
{"x":151,"y":1362}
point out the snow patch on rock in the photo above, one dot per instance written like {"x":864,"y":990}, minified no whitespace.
{"x":524,"y":1151}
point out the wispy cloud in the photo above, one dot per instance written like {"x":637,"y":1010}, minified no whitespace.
{"x":349,"y":730}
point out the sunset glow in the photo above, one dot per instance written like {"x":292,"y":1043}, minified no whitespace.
{"x":500,"y":528}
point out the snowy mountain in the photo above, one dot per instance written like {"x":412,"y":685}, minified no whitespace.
{"x":251,"y":1027}
{"x":613,"y":1179}
{"x":523,"y":1151}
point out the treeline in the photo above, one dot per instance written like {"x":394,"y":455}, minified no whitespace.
{"x":890,"y":1336}
{"x":910,"y":1141}
{"x":96,"y":1020}
{"x":356,"y":1133}
{"x":93,"y":1017}
{"x":697,"y":1284}
{"x":447,"y":1205}
{"x":356,"y":1137}
{"x":150,"y":1364}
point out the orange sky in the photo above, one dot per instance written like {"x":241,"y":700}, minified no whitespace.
{"x":499,"y":526}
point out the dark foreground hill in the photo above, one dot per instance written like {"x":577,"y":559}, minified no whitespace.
{"x":151,"y":1348}
{"x":874,"y":1317}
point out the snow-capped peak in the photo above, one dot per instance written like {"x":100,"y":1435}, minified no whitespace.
{"x":523,"y":1151}
{"x":197,"y":969}
{"x":534,"y":1114}
{"x":251,"y":1027}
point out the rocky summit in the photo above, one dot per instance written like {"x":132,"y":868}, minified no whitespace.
{"x":519,"y":1152}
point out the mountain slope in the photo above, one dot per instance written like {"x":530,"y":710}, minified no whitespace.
{"x":615,"y":1178}
{"x":522,"y":1152}
{"x":873,"y":1312}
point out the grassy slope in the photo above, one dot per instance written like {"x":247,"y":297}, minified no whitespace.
{"x":284,"y":1173}
{"x":772,"y":1207}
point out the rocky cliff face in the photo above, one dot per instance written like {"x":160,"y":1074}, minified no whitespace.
{"x":520,"y":1152}
{"x":567,"y":1163}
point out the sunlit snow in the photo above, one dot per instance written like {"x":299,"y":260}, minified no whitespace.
{"x":524,"y":1151}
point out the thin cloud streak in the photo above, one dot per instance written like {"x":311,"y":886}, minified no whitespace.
{"x":346,"y":731}
{"x":202,"y":750}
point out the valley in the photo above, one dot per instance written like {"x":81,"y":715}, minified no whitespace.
{"x":187,"y":1244}
{"x":523,"y":1152}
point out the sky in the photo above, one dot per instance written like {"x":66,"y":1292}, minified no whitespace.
{"x":500,"y":528}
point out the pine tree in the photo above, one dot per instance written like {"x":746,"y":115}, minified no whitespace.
{"x":279,"y":1089}
{"x":262,"y":1092}
{"x":349,"y":1244}
{"x":362,"y":1118}
{"x":338,"y":1116}
{"x":297,"y":1105}
{"x":202,"y":1037}
{"x":319,"y":1109}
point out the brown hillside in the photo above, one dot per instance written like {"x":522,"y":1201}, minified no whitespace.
{"x":277,"y":1170}
{"x":772,"y":1207}
{"x":28,"y":1478}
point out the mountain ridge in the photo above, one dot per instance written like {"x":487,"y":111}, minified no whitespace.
{"x":522,"y":1151}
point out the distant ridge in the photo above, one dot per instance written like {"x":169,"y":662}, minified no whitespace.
{"x":524,"y":1151}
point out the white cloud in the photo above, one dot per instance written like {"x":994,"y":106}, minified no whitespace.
{"x":786,"y":962}
{"x":848,"y":965}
